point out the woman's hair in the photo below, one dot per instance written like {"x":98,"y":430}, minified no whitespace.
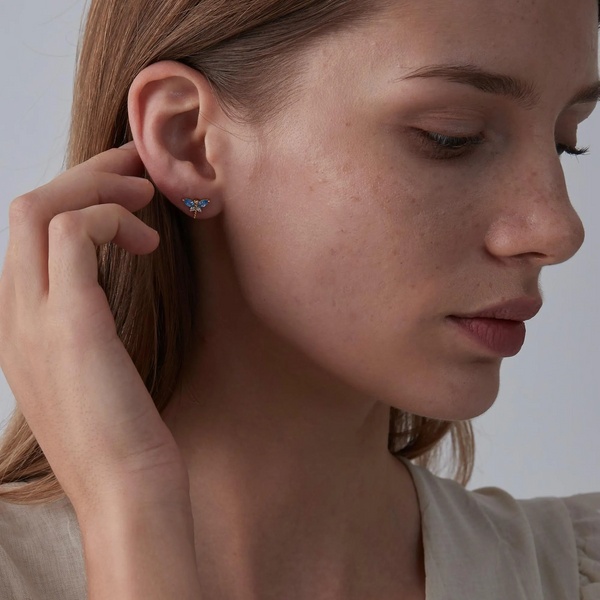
{"x":250,"y":51}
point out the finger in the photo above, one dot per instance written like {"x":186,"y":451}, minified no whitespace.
{"x":123,"y":161}
{"x":73,"y":238}
{"x":118,"y":161}
{"x":54,"y":197}
{"x":31,"y":214}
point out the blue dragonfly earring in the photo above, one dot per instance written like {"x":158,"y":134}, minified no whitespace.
{"x":196,"y":205}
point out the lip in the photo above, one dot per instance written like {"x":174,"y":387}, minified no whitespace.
{"x":502,"y":337}
{"x":519,"y":309}
{"x":500,"y":328}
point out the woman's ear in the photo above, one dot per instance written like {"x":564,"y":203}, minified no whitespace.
{"x":173,"y":116}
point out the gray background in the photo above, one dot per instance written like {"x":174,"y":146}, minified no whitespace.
{"x":540,"y":437}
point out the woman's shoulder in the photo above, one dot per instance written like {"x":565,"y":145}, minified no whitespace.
{"x":41,"y":553}
{"x":581,"y":513}
{"x":544,"y":547}
{"x":565,"y":531}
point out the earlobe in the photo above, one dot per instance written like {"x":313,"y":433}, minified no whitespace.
{"x":171,"y":135}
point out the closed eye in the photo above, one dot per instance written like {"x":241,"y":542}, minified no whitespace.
{"x":443,"y":147}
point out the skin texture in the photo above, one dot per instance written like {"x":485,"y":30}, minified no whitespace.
{"x":332,"y":252}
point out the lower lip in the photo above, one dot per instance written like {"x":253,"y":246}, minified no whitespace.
{"x":505,"y":338}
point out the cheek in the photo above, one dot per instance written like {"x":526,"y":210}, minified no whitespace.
{"x":337,"y":245}
{"x":355,"y":269}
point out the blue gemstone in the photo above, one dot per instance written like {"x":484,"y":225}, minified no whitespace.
{"x":189,"y":202}
{"x":204,"y":203}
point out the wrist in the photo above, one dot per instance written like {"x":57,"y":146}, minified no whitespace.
{"x":130,"y":494}
{"x":136,"y":547}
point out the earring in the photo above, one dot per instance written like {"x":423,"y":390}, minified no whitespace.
{"x":196,"y":205}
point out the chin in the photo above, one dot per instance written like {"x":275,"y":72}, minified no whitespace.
{"x":455,"y":396}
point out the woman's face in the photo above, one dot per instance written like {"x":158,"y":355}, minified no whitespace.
{"x":355,"y":238}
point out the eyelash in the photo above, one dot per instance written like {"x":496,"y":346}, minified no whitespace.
{"x":442,"y":145}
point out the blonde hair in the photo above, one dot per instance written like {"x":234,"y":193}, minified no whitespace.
{"x":249,"y":51}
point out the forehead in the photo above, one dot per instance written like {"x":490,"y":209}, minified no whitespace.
{"x":551,"y":43}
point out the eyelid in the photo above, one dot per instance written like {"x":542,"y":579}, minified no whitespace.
{"x":441,"y":146}
{"x":459,"y":140}
{"x":428,"y":143}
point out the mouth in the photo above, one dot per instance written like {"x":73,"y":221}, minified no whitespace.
{"x":519,"y":309}
{"x":501,"y":336}
{"x":500,"y":328}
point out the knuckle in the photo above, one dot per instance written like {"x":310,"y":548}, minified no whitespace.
{"x":23,"y":207}
{"x":65,"y":224}
{"x":115,"y":209}
{"x":120,"y":210}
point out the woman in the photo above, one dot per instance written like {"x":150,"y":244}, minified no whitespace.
{"x":354,"y":202}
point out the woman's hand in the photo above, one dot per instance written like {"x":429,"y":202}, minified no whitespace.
{"x":71,"y":375}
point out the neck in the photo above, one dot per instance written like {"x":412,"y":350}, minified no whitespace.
{"x":288,"y":478}
{"x":294,"y":492}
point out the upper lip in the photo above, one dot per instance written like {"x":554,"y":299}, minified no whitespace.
{"x":519,"y":309}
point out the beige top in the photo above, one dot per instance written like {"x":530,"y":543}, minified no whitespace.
{"x":479,"y":545}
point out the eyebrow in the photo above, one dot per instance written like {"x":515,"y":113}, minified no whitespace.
{"x":521,"y":91}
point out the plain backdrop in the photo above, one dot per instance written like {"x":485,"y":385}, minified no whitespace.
{"x":540,"y":438}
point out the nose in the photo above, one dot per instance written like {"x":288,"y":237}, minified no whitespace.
{"x":534,"y":217}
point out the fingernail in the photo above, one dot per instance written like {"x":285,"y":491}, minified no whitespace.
{"x":128,"y":144}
